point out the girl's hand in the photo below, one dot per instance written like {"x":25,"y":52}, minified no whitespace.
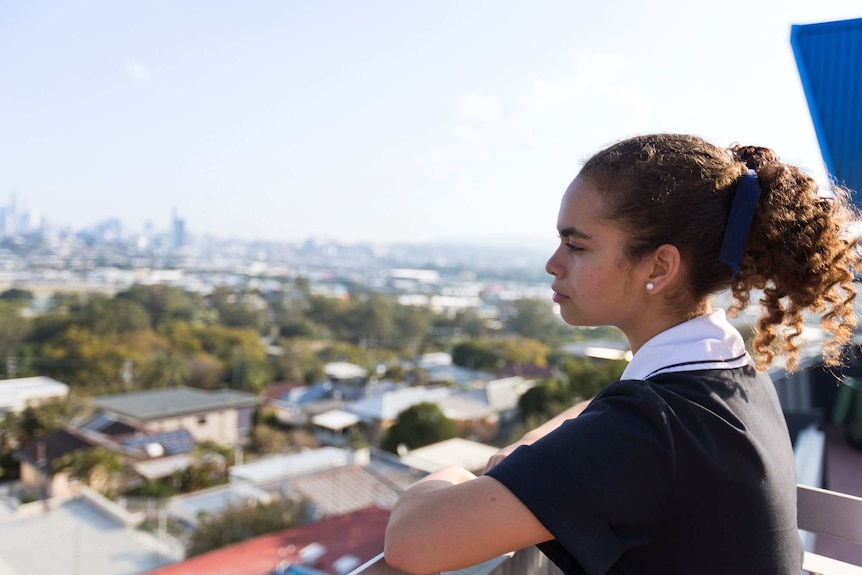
{"x":503,"y":454}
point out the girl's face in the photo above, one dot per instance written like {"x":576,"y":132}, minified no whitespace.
{"x":594,"y":281}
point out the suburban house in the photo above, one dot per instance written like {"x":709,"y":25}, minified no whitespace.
{"x":223,"y":416}
{"x":297,"y":404}
{"x":37,"y":457}
{"x":334,"y":427}
{"x":378,"y":413}
{"x":332,"y":481}
{"x":17,"y":394}
{"x":148,"y":455}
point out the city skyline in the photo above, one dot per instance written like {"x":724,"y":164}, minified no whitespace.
{"x":379,"y":122}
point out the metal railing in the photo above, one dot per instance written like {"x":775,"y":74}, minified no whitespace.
{"x":820,"y":511}
{"x":529,"y":561}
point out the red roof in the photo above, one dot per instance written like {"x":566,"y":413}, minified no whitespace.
{"x":359,"y":534}
{"x":277,"y":390}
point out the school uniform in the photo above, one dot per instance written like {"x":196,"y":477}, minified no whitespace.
{"x":683,"y":466}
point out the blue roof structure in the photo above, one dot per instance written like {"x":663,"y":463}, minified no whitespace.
{"x":829,"y":58}
{"x":173,"y":442}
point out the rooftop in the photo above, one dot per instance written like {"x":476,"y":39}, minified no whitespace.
{"x":291,"y":465}
{"x":16,"y":393}
{"x":74,"y":537}
{"x":359,"y":534}
{"x":344,"y":490}
{"x":57,"y":444}
{"x":464,"y":453}
{"x":173,"y":402}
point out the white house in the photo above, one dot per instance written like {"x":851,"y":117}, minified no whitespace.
{"x":222,"y":416}
{"x":17,"y":394}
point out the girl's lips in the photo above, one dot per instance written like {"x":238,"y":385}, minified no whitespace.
{"x":558,"y":297}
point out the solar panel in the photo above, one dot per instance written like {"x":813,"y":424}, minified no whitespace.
{"x":174,"y":442}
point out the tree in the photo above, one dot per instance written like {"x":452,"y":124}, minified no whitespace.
{"x":330,"y":314}
{"x":83,"y":359}
{"x":13,"y":331}
{"x":411,"y":326}
{"x":114,"y":316}
{"x":418,"y":425}
{"x":242,"y":355}
{"x":95,"y":466}
{"x":520,"y":351}
{"x":164,"y":303}
{"x":203,"y":371}
{"x":239,"y":309}
{"x":580,"y":379}
{"x":298,"y":362}
{"x":373,"y":321}
{"x":583,"y":378}
{"x":542,"y":402}
{"x":238,"y":523}
{"x":162,"y":369}
{"x":20,"y":296}
{"x":533,"y":319}
{"x":476,"y":354}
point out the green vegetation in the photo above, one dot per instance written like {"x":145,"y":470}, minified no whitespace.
{"x":579,"y":379}
{"x":241,"y":523}
{"x":422,"y":424}
{"x":150,"y":337}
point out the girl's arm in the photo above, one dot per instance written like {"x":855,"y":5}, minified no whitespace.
{"x":451,"y":519}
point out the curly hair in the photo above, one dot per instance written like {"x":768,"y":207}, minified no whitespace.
{"x":678,"y":189}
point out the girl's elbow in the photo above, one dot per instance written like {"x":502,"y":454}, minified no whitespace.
{"x":400,"y":554}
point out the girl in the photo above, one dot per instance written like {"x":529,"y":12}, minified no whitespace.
{"x":685,"y":464}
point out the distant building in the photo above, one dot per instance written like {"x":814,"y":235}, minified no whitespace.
{"x":334,"y":427}
{"x":17,"y":394}
{"x":178,"y":232}
{"x":222,"y":416}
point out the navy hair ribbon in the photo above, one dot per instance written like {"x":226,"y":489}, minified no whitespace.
{"x":739,"y":222}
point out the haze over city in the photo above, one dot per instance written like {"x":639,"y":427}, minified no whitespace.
{"x":374,"y":121}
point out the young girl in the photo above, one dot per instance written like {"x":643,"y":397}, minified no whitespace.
{"x":685,"y":464}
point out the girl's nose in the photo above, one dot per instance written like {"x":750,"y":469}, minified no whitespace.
{"x":553,"y":267}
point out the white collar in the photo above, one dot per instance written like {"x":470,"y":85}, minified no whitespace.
{"x":705,"y":342}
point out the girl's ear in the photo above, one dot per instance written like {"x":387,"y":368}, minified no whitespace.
{"x":663,"y":267}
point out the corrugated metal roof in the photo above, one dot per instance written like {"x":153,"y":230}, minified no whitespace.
{"x":829,"y":58}
{"x":173,"y":402}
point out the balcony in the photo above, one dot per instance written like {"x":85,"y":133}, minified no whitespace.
{"x":821,"y":512}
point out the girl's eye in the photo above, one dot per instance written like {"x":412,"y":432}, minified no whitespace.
{"x":569,"y":246}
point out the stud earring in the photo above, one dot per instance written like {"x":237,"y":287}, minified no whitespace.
{"x":650,"y":286}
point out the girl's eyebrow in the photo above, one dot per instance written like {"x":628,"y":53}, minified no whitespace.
{"x":572,"y":231}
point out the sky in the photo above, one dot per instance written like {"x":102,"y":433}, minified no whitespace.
{"x":382,"y":121}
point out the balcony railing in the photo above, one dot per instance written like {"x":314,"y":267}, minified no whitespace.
{"x":821,"y":512}
{"x":529,"y":561}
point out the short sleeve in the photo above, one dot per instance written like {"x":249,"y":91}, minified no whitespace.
{"x":599,"y":482}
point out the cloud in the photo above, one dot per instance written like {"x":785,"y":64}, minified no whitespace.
{"x":136,"y":71}
{"x":476,"y":107}
{"x":597,"y":95}
{"x":466,"y":132}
